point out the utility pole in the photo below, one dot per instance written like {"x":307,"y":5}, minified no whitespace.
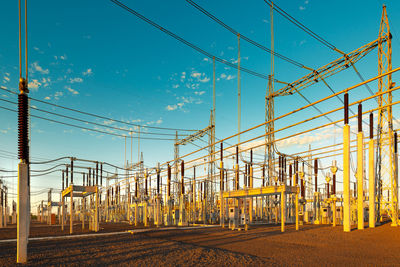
{"x":23,"y":208}
{"x":269,"y":106}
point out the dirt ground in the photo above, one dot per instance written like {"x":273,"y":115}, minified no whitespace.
{"x":259,"y":246}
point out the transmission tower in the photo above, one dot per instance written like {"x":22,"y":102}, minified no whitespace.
{"x":386,"y":178}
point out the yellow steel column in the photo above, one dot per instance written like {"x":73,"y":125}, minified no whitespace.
{"x":96,"y":218}
{"x":360,"y":172}
{"x":346,"y":178}
{"x":145,"y":213}
{"x":71,"y":210}
{"x":395,"y":183}
{"x":334,"y":211}
{"x":83,"y":213}
{"x":221,"y":199}
{"x":136,"y":213}
{"x":62,"y":212}
{"x":371,"y":174}
{"x":283,"y":210}
{"x":297,"y":209}
{"x":251,"y":198}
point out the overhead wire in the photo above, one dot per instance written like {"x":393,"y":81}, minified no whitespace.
{"x":191,"y":45}
{"x":89,"y":129}
{"x":236,"y":33}
{"x":99,"y":116}
{"x":89,"y":122}
{"x":302,"y":26}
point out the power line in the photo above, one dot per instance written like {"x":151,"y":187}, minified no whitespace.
{"x":302,"y":26}
{"x":99,"y":116}
{"x":208,"y":14}
{"x":90,"y":129}
{"x":198,"y":49}
{"x":85,"y":121}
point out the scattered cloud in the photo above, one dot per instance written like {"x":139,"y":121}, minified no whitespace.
{"x":36,"y":67}
{"x":45,"y":81}
{"x":57,"y":95}
{"x":223,"y":76}
{"x":75,"y":80}
{"x":195,"y":74}
{"x":231,"y":48}
{"x":204,"y":80}
{"x":74,"y":92}
{"x":88,"y":72}
{"x":303,"y":7}
{"x":175,"y":86}
{"x":199,"y":93}
{"x":34,"y":84}
{"x":171,"y":107}
{"x":265,"y":21}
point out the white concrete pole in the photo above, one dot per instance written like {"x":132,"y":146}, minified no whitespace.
{"x":23,"y":213}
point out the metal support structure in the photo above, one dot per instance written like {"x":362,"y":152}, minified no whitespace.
{"x":385,"y":172}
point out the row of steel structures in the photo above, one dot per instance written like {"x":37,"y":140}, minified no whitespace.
{"x":277,"y":190}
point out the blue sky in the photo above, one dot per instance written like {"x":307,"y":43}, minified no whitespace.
{"x":96,"y":57}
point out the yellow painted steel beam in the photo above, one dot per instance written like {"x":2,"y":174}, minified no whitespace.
{"x":262,"y":191}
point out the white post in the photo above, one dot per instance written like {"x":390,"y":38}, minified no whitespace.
{"x":23,"y":213}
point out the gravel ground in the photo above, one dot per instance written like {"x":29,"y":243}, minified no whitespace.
{"x":259,"y":246}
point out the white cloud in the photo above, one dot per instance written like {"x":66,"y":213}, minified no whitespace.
{"x":183,"y":76}
{"x":204,"y":80}
{"x":47,"y":98}
{"x":34,"y":84}
{"x":6,"y":79}
{"x":75,"y":80}
{"x":265,"y":21}
{"x":302,"y":8}
{"x":231,"y":48}
{"x":175,"y":86}
{"x":38,"y":68}
{"x":159,"y":121}
{"x":200,"y":93}
{"x":171,"y":107}
{"x":74,"y":92}
{"x":64,"y":57}
{"x":88,"y":72}
{"x":57,"y":95}
{"x":195,"y":74}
